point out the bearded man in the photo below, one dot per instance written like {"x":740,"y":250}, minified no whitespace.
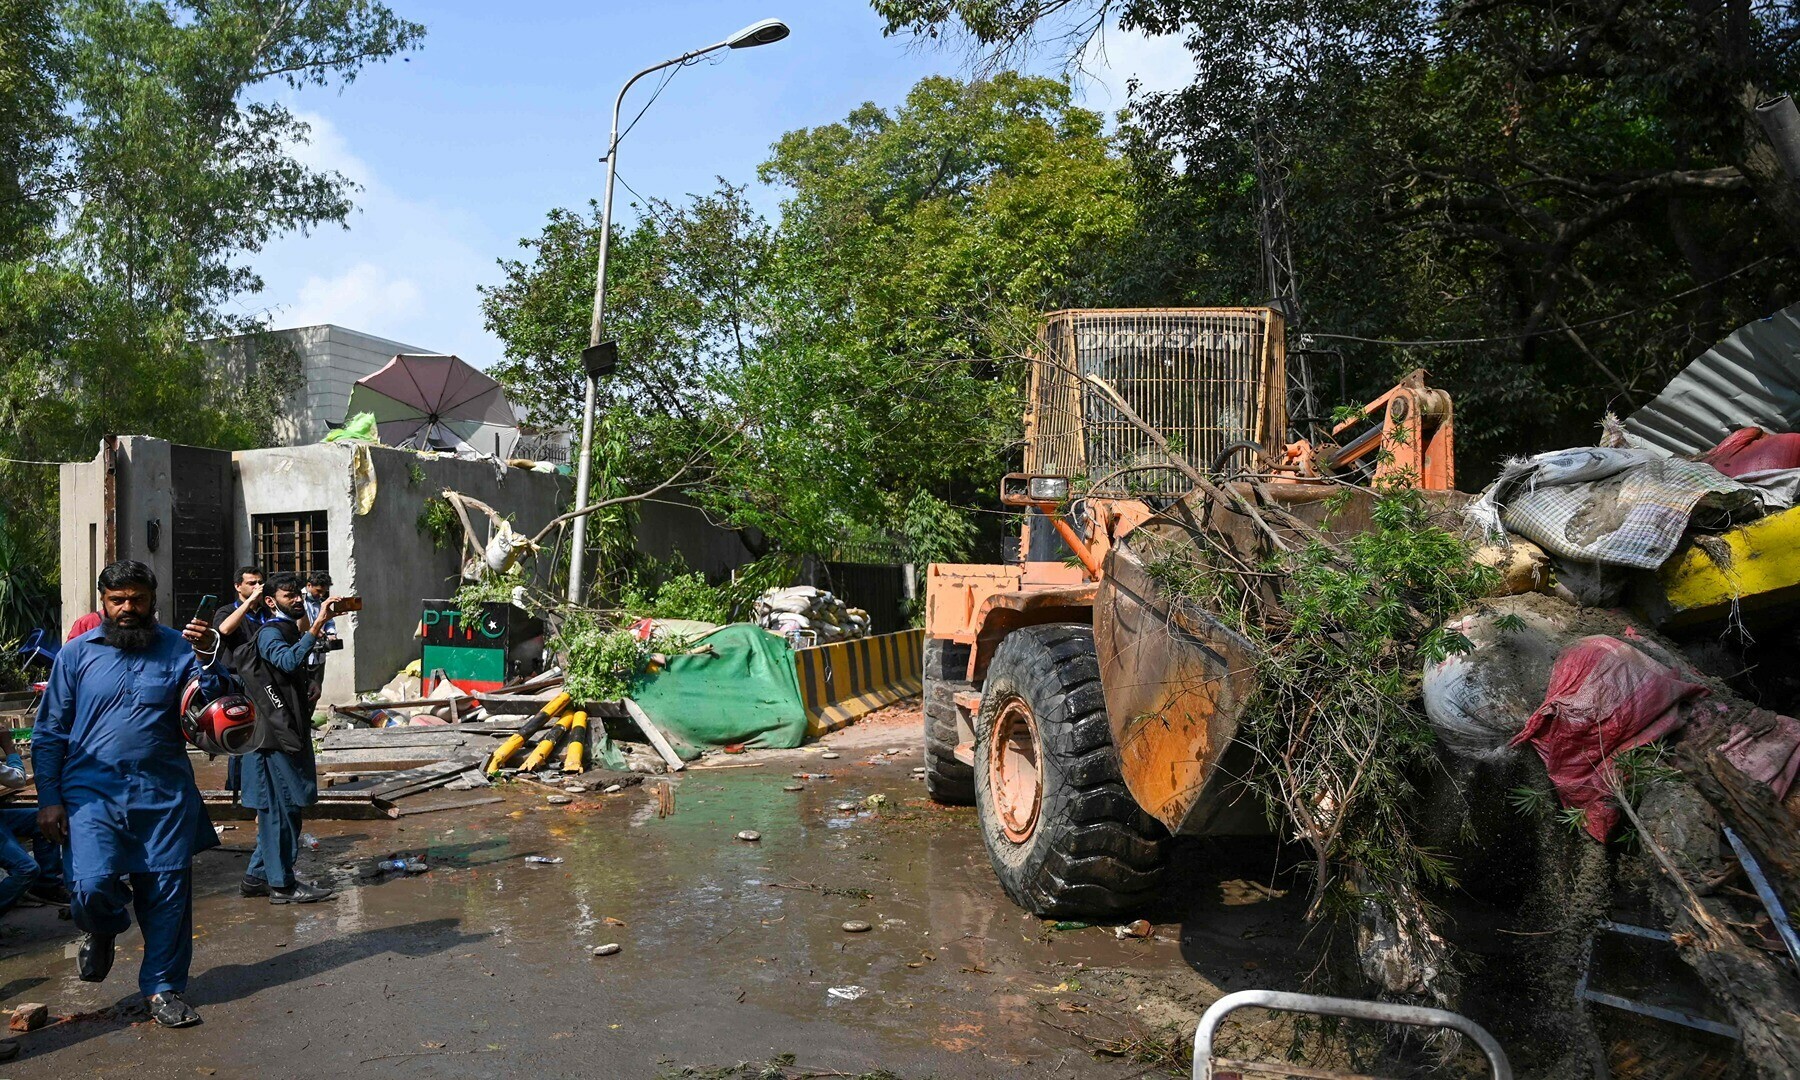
{"x":115,"y":788}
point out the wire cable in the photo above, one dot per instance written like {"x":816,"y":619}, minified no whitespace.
{"x":620,"y":177}
{"x":662,"y":84}
{"x":1563,"y":329}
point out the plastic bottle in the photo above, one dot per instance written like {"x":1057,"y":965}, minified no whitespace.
{"x":309,"y":841}
{"x":410,"y":865}
{"x":541,"y":859}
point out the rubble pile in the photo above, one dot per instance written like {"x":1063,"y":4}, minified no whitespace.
{"x":1637,"y":684}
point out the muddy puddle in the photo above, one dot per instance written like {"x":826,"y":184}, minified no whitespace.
{"x":731,"y":951}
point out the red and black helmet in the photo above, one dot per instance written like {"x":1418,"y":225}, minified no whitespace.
{"x":225,"y":725}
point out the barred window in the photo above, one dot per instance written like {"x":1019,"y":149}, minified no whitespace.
{"x":290,"y":542}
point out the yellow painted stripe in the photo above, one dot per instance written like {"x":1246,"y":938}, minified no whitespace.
{"x":1763,"y":568}
{"x":845,"y":680}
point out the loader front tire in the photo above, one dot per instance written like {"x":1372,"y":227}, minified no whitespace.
{"x":1064,"y":835}
{"x":948,"y":781}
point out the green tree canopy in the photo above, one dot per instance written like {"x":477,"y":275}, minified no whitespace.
{"x":848,"y":374}
{"x":1503,"y":170}
{"x":142,"y":162}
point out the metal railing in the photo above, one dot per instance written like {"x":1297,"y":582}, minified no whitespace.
{"x":1349,"y":1008}
{"x":553,"y":446}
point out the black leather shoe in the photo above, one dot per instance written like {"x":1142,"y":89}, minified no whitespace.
{"x":253,"y":887}
{"x":95,"y":958}
{"x":301,"y":893}
{"x":169,"y":1010}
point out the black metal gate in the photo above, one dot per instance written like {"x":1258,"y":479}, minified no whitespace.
{"x":879,"y":589}
{"x":200,"y":534}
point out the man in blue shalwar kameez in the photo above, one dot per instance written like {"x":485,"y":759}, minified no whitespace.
{"x":115,"y":787}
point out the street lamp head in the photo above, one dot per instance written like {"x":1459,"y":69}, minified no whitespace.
{"x":766,"y":32}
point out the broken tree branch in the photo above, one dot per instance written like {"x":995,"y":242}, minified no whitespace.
{"x":698,"y":456}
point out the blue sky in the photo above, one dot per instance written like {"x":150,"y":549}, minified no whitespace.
{"x":462,"y":148}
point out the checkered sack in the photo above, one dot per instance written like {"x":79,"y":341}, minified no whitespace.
{"x":1619,"y":507}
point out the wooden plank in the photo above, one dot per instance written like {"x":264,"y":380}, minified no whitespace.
{"x":514,"y":704}
{"x":407,"y":736}
{"x":461,"y":805}
{"x":361,"y":776}
{"x":396,"y":784}
{"x":655,"y":735}
{"x":397,"y":757}
{"x":359,"y":738}
{"x":223,"y":806}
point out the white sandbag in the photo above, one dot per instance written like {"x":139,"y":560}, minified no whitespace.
{"x":1479,"y":700}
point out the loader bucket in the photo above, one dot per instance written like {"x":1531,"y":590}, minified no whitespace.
{"x":1176,"y":680}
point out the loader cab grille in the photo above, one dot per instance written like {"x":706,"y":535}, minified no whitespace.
{"x":1204,"y":377}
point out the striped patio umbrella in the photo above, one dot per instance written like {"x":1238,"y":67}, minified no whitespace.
{"x":436,"y":403}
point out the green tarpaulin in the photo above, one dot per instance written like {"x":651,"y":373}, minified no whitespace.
{"x":736,"y":685}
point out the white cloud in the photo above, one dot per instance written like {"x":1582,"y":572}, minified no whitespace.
{"x":359,"y":297}
{"x":1117,"y":56}
{"x":405,"y":267}
{"x":326,"y":148}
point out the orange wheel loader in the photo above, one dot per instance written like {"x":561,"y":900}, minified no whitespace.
{"x":1084,"y":715}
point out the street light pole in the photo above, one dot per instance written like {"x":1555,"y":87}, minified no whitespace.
{"x":595,"y":360}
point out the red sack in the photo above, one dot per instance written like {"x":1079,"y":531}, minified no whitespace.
{"x":1751,"y":449}
{"x":1605,"y":696}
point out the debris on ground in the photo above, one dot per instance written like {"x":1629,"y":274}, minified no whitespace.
{"x":29,"y":1016}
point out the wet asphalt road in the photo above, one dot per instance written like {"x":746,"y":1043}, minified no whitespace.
{"x":483,"y":967}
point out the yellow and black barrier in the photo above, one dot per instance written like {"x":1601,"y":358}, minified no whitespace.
{"x":847,"y":679}
{"x":533,"y":724}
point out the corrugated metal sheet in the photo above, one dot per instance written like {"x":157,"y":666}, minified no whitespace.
{"x":1751,"y":379}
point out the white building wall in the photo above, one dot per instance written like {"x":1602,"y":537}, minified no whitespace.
{"x":381,"y":555}
{"x":143,"y":494}
{"x":299,"y":480}
{"x":331,"y":358}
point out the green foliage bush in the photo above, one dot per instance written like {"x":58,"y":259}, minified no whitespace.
{"x":1336,"y":720}
{"x":601,"y":661}
{"x":437,"y":520}
{"x":684,"y":596}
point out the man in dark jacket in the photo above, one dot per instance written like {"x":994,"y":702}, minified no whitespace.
{"x":279,"y":778}
{"x":236,"y":621}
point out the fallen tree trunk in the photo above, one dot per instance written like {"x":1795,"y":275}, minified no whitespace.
{"x":1751,"y":809}
{"x":1761,"y":996}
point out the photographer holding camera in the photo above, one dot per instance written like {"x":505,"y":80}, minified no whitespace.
{"x":324,"y":630}
{"x":279,"y":778}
